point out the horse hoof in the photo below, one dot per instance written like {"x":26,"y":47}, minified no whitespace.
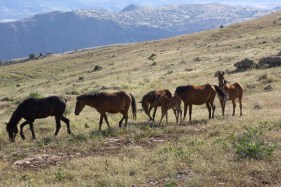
{"x":69,"y":132}
{"x":23,"y":137}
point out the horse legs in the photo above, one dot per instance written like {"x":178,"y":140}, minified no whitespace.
{"x":179,"y":111}
{"x":21,"y":127}
{"x":190,"y":112}
{"x":149,"y":110}
{"x":32,"y":130}
{"x":105,"y":117}
{"x":234,"y":106}
{"x":209,"y":109}
{"x":101,"y":119}
{"x":222,"y":106}
{"x":66,"y":121}
{"x":240,"y":104}
{"x":58,"y":125}
{"x":185,"y":111}
{"x":154,"y":113}
{"x":162,"y":116}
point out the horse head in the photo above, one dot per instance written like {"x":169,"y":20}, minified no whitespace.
{"x":12,"y":131}
{"x":80,"y":104}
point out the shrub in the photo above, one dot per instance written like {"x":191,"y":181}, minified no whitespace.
{"x":245,"y":64}
{"x":31,"y":56}
{"x":251,"y":145}
{"x":35,"y":94}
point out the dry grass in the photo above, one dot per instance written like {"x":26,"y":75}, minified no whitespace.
{"x":200,"y":153}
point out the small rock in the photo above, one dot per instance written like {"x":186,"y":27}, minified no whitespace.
{"x":257,"y":107}
{"x":268,"y":88}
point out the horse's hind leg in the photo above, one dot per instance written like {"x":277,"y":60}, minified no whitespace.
{"x":190,"y":112}
{"x":154,"y":113}
{"x":185,"y":111}
{"x":101,"y":119}
{"x":234,"y":106}
{"x":58,"y":125}
{"x":214,"y":109}
{"x":209,"y":109}
{"x":66,"y":121}
{"x":21,"y":129}
{"x":240,"y":104}
{"x":148,"y":113}
{"x":105,"y":118}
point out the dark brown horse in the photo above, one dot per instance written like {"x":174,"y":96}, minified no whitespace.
{"x":198,"y":95}
{"x":167,"y":104}
{"x":31,"y":109}
{"x":233,"y":91}
{"x":108,"y":102}
{"x":148,"y":101}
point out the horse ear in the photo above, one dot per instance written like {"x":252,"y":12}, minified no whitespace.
{"x":6,"y":123}
{"x":217,"y":73}
{"x":222,"y":72}
{"x":140,"y":102}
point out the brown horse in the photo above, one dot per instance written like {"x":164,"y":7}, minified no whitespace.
{"x":108,"y":102}
{"x":198,"y":95}
{"x":33,"y":108}
{"x":148,"y":101}
{"x":233,"y":91}
{"x":169,"y":103}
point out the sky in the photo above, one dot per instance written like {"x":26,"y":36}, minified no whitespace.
{"x":19,"y":9}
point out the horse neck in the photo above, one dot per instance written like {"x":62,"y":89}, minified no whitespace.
{"x":90,"y":101}
{"x":16,"y":117}
{"x":221,"y":82}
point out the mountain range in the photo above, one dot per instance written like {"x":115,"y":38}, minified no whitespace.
{"x":58,"y":31}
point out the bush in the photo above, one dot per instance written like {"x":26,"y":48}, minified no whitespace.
{"x":35,"y":94}
{"x":245,"y":64}
{"x":31,"y":56}
{"x":269,"y":62}
{"x":252,"y":146}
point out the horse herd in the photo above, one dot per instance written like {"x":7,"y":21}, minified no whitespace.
{"x":120,"y":102}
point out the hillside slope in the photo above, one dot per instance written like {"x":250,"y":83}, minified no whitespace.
{"x":197,"y":153}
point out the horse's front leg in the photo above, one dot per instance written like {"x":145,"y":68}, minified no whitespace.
{"x":101,"y":119}
{"x":184,"y":112}
{"x":154,"y":113}
{"x":21,"y":129}
{"x":58,"y":124}
{"x":148,"y":113}
{"x":105,"y":118}
{"x":32,"y":130}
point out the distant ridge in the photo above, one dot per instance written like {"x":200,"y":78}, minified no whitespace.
{"x":57,"y":32}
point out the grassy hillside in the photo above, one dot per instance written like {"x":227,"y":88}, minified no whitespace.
{"x":200,"y":153}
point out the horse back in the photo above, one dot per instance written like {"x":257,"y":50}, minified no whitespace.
{"x":193,"y":94}
{"x":44,"y":107}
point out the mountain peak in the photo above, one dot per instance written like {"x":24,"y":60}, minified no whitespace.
{"x":130,"y":8}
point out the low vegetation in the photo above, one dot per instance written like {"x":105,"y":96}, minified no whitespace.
{"x":224,"y":151}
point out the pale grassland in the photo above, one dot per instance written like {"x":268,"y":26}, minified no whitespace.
{"x":200,"y":153}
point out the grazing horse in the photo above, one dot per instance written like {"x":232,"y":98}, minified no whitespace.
{"x":31,"y":109}
{"x":148,"y":101}
{"x":108,"y":102}
{"x":169,"y":103}
{"x":233,"y":91}
{"x":198,"y":95}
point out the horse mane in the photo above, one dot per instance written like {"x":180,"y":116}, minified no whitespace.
{"x":90,"y":95}
{"x":151,"y":93}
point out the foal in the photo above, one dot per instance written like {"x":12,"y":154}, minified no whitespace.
{"x":233,"y":90}
{"x":169,"y":103}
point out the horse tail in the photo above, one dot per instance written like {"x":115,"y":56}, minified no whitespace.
{"x":220,"y":92}
{"x":134,"y":107}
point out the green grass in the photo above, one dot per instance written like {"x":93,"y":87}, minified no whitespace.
{"x":198,"y":153}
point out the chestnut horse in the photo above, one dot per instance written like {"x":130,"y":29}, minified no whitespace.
{"x":31,"y":109}
{"x":169,"y":103}
{"x":148,"y":101}
{"x":233,"y":91}
{"x":108,"y":102}
{"x":198,"y":95}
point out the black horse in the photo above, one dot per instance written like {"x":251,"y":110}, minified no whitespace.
{"x":31,"y":109}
